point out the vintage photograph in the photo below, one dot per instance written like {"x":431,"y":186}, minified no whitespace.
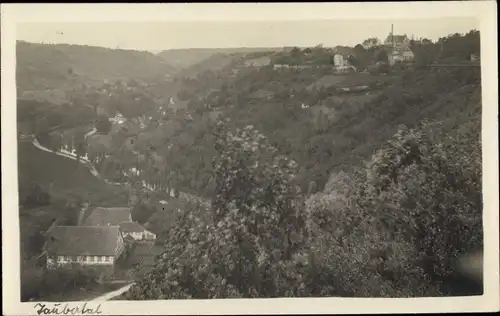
{"x":249,"y":159}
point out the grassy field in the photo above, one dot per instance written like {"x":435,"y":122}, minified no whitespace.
{"x":83,"y":294}
{"x":65,"y":179}
{"x":45,"y":168}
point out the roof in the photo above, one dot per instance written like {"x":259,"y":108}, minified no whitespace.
{"x":396,"y":38}
{"x":83,"y":240}
{"x":113,"y":216}
{"x":343,"y":50}
{"x":131,"y":227}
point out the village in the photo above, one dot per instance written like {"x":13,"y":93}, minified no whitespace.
{"x":113,"y":169}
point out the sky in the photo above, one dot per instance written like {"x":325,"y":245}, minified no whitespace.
{"x":157,"y":36}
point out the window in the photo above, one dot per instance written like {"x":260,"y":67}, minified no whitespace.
{"x":99,"y":259}
{"x":104,"y":258}
{"x":90,"y":258}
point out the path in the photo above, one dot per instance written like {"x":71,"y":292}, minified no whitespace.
{"x":95,"y":173}
{"x":67,"y":154}
{"x":90,"y":133}
{"x":113,"y":294}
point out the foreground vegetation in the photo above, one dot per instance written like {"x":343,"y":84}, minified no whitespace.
{"x":392,"y":228}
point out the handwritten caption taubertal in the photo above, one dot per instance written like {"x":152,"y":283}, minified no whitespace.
{"x":67,"y":309}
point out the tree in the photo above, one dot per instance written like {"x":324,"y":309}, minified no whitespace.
{"x":361,"y":58}
{"x":103,"y":124}
{"x":413,"y":210}
{"x":142,"y":212}
{"x":80,"y":145}
{"x":247,"y":247}
{"x":371,"y":42}
{"x":381,"y":56}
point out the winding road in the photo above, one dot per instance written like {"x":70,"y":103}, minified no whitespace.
{"x":95,"y":173}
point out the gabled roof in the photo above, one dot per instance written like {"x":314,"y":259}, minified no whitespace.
{"x":111,"y":216}
{"x":397,"y":38}
{"x":83,"y":240}
{"x":343,"y":50}
{"x":131,"y":227}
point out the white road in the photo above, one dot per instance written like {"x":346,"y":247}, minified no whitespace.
{"x":113,"y":294}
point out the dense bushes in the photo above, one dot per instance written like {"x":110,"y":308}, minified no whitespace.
{"x":397,"y":228}
{"x":247,"y":246}
{"x":103,"y":124}
{"x":392,"y":228}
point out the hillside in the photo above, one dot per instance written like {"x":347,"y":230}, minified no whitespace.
{"x":183,"y":58}
{"x":337,"y":130}
{"x":215,"y":62}
{"x":63,"y":66}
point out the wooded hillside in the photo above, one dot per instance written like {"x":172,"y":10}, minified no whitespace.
{"x":49,"y":66}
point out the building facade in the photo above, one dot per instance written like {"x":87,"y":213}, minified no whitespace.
{"x":86,"y":246}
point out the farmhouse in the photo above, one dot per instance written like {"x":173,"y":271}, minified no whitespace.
{"x":94,"y":246}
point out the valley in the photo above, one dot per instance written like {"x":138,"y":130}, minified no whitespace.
{"x":245,"y":163}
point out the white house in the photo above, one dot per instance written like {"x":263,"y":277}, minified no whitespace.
{"x":341,"y":63}
{"x":400,"y":55}
{"x":408,"y":55}
{"x":118,"y":118}
{"x":136,"y":231}
{"x":258,"y":62}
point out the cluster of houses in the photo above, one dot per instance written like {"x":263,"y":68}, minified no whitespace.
{"x":98,"y":241}
{"x":397,"y":48}
{"x":400,"y":51}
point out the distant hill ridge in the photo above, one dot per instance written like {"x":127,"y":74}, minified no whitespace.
{"x":186,"y":57}
{"x":45,"y":66}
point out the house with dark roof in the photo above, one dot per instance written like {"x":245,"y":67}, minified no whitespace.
{"x":94,"y":246}
{"x":106,"y":216}
{"x":136,"y":231}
